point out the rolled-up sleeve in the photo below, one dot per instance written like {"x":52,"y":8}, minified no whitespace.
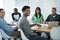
{"x":5,"y":27}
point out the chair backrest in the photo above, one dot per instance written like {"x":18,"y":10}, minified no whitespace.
{"x":55,"y":33}
{"x":0,"y":36}
{"x":4,"y":35}
{"x":22,"y":34}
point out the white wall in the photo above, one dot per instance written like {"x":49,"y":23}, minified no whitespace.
{"x":8,"y":5}
{"x":45,"y":6}
{"x":1,"y":3}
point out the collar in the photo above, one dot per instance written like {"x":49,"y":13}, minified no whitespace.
{"x":24,"y":16}
{"x":1,"y":17}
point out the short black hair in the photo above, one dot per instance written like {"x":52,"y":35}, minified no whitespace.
{"x":15,"y":9}
{"x":54,"y":8}
{"x":25,"y":7}
{"x":1,"y":9}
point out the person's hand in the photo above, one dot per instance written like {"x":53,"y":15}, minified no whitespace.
{"x":11,"y":24}
{"x":17,"y":26}
{"x":38,"y":25}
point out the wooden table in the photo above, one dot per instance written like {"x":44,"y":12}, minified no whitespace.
{"x":39,"y":29}
{"x":45,"y":29}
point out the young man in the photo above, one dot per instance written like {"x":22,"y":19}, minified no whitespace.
{"x":3,"y":25}
{"x":24,"y":25}
{"x":16,"y":15}
{"x":54,"y":16}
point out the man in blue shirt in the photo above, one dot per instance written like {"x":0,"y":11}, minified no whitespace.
{"x":54,"y":16}
{"x":5,"y":26}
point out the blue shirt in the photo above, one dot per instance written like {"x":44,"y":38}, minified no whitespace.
{"x":5,"y":27}
{"x":53,"y":18}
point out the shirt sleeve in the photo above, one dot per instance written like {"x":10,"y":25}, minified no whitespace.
{"x":5,"y":27}
{"x":59,"y":20}
{"x":13,"y":16}
{"x":32,"y":25}
{"x":25,"y":27}
{"x":19,"y":15}
{"x":48,"y":18}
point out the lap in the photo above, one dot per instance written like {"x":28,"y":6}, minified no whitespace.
{"x":16,"y":34}
{"x":37,"y":38}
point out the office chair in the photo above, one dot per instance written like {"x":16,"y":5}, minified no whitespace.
{"x":22,"y":34}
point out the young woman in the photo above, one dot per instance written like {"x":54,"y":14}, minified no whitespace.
{"x":37,"y":17}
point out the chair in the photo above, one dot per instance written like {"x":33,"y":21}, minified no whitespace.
{"x":0,"y":36}
{"x":22,"y":34}
{"x":55,"y":33}
{"x":5,"y":36}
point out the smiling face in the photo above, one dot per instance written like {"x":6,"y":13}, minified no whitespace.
{"x":27,"y":12}
{"x":54,"y":11}
{"x":38,"y":11}
{"x":2,"y":13}
{"x":15,"y":10}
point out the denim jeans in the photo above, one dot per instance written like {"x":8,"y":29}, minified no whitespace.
{"x":36,"y":37}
